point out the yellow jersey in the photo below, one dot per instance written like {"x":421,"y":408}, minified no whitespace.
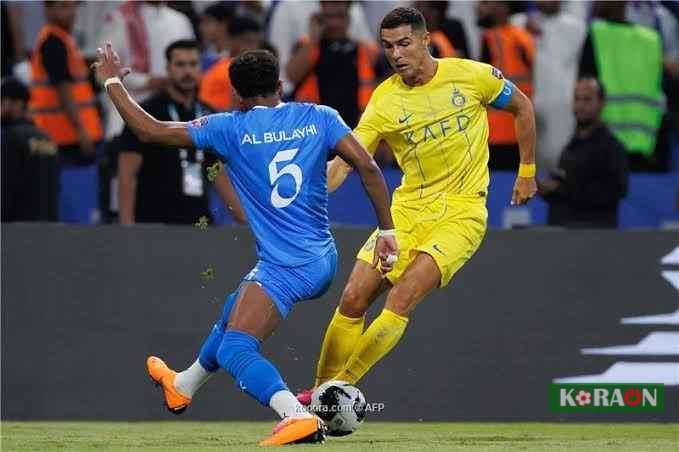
{"x":438,"y":131}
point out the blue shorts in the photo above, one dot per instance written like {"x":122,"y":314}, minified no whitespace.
{"x":289,"y":285}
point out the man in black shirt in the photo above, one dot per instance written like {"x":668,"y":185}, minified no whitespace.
{"x":592,"y":176}
{"x":170,"y":185}
{"x":30,"y":176}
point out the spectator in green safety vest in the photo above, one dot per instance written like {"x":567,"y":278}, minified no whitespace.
{"x":628,"y":60}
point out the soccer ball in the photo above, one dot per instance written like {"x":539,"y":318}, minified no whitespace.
{"x":341,"y":405}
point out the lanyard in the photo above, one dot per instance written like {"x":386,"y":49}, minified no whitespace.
{"x":184,"y":153}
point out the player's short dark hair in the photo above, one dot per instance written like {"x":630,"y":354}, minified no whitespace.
{"x":13,"y":88}
{"x":240,"y":25}
{"x":255,"y":73}
{"x":404,"y":16}
{"x":183,"y":44}
{"x":220,"y":11}
{"x":601,"y":90}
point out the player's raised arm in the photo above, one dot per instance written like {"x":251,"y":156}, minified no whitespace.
{"x":521,"y":107}
{"x":353,"y":152}
{"x":109,"y":72}
{"x":368,"y":133}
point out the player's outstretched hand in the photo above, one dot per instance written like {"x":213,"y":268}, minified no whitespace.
{"x":386,"y":253}
{"x":108,"y":64}
{"x":524,"y":189}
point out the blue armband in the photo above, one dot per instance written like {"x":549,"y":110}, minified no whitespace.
{"x":502,"y":99}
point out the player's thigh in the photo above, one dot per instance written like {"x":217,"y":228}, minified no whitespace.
{"x":405,"y":222}
{"x":453,"y":242}
{"x":419,"y":279}
{"x":254,"y":312}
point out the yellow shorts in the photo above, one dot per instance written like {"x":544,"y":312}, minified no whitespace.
{"x":449,"y":230}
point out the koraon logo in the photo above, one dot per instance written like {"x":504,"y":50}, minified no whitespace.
{"x":606,"y":397}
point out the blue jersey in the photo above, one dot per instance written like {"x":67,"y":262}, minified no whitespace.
{"x":276,"y":158}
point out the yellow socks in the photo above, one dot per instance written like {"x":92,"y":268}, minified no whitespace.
{"x":340,"y":340}
{"x":378,"y":340}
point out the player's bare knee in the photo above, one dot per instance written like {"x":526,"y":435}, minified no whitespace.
{"x":353,"y":303}
{"x":401,"y":299}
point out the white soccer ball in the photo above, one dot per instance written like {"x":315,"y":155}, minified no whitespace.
{"x":341,"y":405}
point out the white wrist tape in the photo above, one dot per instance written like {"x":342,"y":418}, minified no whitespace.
{"x":111,"y":81}
{"x":391,"y":259}
{"x":385,"y":232}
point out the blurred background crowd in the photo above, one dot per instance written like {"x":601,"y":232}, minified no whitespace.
{"x":603,"y":76}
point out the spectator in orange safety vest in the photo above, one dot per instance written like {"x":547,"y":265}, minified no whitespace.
{"x":245,"y":33}
{"x":329,"y":68}
{"x":62,"y":100}
{"x":511,"y":49}
{"x":64,"y":106}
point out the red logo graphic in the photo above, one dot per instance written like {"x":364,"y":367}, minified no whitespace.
{"x":583,"y":398}
{"x":632,"y":397}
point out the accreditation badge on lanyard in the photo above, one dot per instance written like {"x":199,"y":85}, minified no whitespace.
{"x":192,"y":172}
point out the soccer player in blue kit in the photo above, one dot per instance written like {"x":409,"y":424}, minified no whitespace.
{"x":276,"y":155}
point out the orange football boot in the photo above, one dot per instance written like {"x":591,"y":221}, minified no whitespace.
{"x":293,"y":430}
{"x":163,"y":376}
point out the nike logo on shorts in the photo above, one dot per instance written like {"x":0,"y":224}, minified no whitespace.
{"x":403,"y":119}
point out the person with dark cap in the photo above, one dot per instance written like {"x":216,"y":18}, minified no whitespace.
{"x":511,"y":49}
{"x":214,"y":26}
{"x":30,"y":176}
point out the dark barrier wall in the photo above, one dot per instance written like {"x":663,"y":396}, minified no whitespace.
{"x":83,"y":307}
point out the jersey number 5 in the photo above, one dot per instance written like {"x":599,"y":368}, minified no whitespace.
{"x":293,"y":170}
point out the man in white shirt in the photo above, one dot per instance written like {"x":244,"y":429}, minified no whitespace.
{"x":141,"y":31}
{"x":558,"y":38}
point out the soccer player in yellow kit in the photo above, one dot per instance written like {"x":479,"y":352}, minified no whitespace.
{"x":432,"y":113}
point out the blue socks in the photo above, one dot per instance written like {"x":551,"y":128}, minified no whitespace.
{"x":239,"y":355}
{"x":208,"y":352}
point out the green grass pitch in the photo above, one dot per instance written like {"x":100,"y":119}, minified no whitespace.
{"x":373,"y":436}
